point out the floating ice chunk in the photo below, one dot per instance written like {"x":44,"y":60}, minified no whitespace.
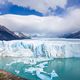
{"x":42,"y":75}
{"x":17,"y":71}
{"x":53,"y":74}
{"x":30,"y":70}
{"x":9,"y":64}
{"x":42,"y":65}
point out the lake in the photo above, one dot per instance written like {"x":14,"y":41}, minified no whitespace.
{"x":63,"y":69}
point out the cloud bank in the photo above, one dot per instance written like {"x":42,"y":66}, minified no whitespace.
{"x":41,"y":6}
{"x":36,"y":24}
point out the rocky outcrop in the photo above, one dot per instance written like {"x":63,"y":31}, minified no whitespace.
{"x":8,"y":76}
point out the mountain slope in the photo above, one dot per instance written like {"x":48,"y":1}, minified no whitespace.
{"x":73,"y":35}
{"x":6,"y":34}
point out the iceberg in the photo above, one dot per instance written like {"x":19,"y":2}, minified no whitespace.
{"x":40,"y":48}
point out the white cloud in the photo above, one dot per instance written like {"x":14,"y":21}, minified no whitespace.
{"x":36,"y":24}
{"x":40,"y":5}
{"x":2,"y":2}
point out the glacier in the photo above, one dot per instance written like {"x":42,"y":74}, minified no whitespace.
{"x":40,"y":48}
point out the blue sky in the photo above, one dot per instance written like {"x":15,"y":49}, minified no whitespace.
{"x":9,"y":8}
{"x":14,"y":9}
{"x":41,"y":16}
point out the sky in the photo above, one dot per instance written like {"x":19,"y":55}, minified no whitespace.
{"x":41,"y":16}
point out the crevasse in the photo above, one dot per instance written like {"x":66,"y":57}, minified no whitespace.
{"x":40,"y":48}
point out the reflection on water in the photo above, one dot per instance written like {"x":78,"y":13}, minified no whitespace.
{"x":67,"y":69}
{"x":57,"y":69}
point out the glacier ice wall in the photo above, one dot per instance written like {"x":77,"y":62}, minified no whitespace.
{"x":40,"y":48}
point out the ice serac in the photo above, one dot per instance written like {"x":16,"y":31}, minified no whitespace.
{"x":40,"y":48}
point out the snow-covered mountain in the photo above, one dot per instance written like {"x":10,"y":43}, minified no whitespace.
{"x":6,"y":34}
{"x":23,"y":35}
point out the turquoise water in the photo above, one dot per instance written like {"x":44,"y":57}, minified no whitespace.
{"x":65,"y":69}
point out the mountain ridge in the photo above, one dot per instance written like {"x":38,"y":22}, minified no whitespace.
{"x":72,"y":35}
{"x":6,"y":34}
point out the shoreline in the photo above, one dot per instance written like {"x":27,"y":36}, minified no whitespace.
{"x":9,"y":76}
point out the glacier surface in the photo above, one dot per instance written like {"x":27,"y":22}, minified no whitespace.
{"x":40,"y":48}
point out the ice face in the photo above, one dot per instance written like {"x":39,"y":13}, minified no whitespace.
{"x":40,"y":48}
